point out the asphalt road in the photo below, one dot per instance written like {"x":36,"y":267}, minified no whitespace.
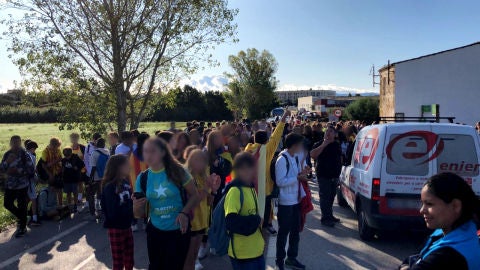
{"x":75,"y":244}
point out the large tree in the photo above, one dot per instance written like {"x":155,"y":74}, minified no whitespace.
{"x":117,"y":51}
{"x":252,"y":84}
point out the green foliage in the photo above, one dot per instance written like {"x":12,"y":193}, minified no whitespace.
{"x":187,"y":103}
{"x":365,"y":109}
{"x":24,"y":114}
{"x":251,"y":88}
{"x":113,"y":55}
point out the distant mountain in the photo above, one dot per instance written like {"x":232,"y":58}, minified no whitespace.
{"x":218,"y":83}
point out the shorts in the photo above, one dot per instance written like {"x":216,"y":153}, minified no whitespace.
{"x":32,"y":190}
{"x":199,"y":232}
{"x":57,"y":183}
{"x":70,"y":187}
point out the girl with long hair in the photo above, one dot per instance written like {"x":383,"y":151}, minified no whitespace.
{"x":117,"y":207}
{"x":52,"y":163}
{"x":172,"y":196}
{"x":219,"y":160}
{"x":197,"y":165}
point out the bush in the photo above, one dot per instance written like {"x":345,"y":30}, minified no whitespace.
{"x":22,"y":114}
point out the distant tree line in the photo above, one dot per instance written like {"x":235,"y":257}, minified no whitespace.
{"x":178,"y":104}
{"x":187,"y":103}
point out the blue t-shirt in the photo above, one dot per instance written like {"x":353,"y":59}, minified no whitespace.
{"x":164,"y":198}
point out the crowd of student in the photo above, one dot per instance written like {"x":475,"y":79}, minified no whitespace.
{"x":190,"y":189}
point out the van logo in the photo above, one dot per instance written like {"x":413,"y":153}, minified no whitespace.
{"x":423,"y":146}
{"x":366,"y":149}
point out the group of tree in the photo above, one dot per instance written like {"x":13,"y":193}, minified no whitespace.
{"x":114,"y":55}
{"x":108,"y":64}
{"x":187,"y":103}
{"x":364,"y":109}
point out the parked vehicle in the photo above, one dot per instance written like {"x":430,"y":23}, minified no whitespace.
{"x":390,"y":164}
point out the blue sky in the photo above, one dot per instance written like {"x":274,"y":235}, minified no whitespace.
{"x":333,"y":43}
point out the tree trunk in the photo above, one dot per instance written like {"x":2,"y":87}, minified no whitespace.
{"x":118,"y":81}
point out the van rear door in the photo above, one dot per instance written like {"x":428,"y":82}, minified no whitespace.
{"x":458,"y":153}
{"x":406,"y":165}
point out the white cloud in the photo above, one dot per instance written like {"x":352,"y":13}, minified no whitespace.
{"x":6,"y":84}
{"x":206,"y":83}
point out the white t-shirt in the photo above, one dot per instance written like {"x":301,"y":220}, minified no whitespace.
{"x":87,"y":156}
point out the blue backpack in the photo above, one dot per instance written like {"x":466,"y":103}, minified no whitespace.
{"x":101,"y":163}
{"x":218,"y":236}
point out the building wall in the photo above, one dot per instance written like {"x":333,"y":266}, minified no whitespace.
{"x":387,"y":92}
{"x":293,"y":95}
{"x":306,"y":102}
{"x":450,"y":79}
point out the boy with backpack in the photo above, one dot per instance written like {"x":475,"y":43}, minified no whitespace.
{"x":72,"y":167}
{"x":242,"y":220}
{"x":98,"y":161}
{"x":289,"y":174}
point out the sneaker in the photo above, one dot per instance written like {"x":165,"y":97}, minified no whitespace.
{"x":294,"y":264}
{"x":328,"y":223}
{"x":271,"y":230}
{"x":198,"y":265}
{"x":134,"y":228}
{"x":203,"y":252}
{"x":279,"y":265}
{"x":20,"y":233}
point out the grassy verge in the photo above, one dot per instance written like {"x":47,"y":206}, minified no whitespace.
{"x":41,"y":133}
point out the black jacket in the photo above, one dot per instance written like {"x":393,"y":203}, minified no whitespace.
{"x":117,"y":205}
{"x":329,"y":162}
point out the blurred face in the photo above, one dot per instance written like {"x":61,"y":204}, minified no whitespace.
{"x":233,"y":144}
{"x":329,"y":134}
{"x":297,"y":148}
{"x":437,"y":213}
{"x":74,"y":139}
{"x":194,"y":136}
{"x":55,"y":144}
{"x":246,"y":174}
{"x":198,"y":163}
{"x":152,"y":155}
{"x":124,"y":170}
{"x":112,"y":140}
{"x":218,"y":141}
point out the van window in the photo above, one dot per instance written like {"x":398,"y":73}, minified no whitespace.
{"x":459,"y":155}
{"x":407,"y":155}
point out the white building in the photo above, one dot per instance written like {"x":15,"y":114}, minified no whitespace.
{"x":293,"y":95}
{"x":449,"y":78}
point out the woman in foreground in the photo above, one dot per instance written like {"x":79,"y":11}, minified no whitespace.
{"x":448,"y":207}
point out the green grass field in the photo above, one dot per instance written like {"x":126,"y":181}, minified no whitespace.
{"x":41,"y":133}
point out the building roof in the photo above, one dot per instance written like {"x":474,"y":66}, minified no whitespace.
{"x":428,"y":55}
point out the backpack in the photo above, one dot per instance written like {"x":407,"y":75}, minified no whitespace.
{"x":276,"y":190}
{"x":101,"y":163}
{"x":30,"y":209}
{"x":218,"y":235}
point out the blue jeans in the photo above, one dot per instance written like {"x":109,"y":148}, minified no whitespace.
{"x":248,"y":264}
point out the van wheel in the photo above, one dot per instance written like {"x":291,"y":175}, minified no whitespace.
{"x":340,"y":199}
{"x":366,"y":232}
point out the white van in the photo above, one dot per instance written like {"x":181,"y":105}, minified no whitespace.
{"x":390,"y":164}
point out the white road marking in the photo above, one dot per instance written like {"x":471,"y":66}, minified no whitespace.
{"x":42,"y":245}
{"x":82,"y":264}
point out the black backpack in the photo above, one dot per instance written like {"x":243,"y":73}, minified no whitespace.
{"x":276,"y":190}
